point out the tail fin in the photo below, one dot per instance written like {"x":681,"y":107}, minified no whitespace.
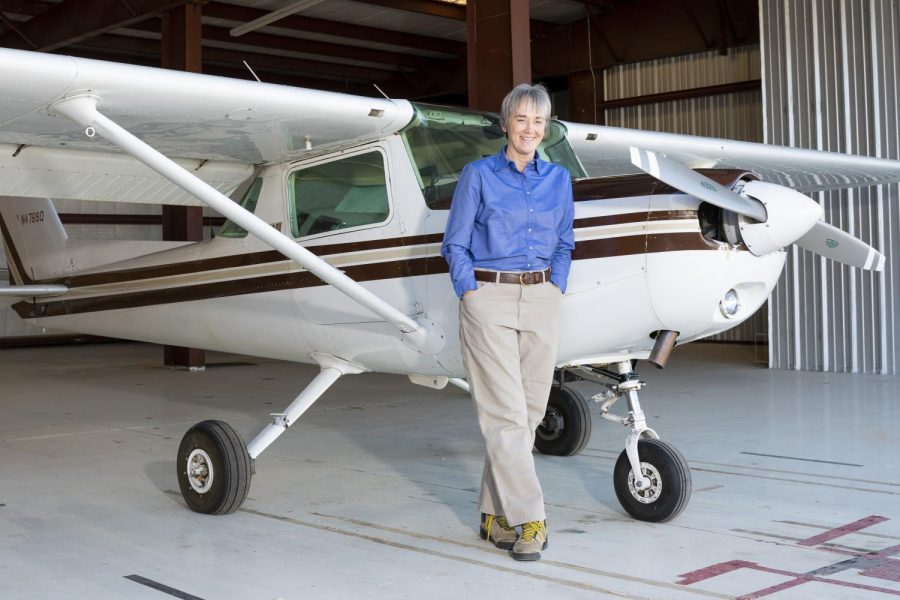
{"x":33,"y":238}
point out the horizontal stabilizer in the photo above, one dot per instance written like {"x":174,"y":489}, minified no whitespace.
{"x":16,"y":293}
{"x":39,"y":291}
{"x":836,"y":244}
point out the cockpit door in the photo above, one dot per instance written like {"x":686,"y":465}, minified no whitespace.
{"x":345,"y":208}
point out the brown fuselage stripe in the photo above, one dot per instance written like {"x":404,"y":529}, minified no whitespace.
{"x":589,"y":249}
{"x":236,"y":260}
{"x":112,"y":219}
{"x":642,"y":184}
{"x":273,"y":256}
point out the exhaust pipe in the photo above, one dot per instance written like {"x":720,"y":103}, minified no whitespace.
{"x":665,"y":341}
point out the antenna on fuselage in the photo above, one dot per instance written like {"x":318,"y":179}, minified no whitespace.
{"x":380,"y":91}
{"x":251,"y":71}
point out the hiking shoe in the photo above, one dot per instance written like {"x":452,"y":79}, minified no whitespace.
{"x":531,"y":542}
{"x":496,"y":530}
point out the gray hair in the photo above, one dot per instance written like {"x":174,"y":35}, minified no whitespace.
{"x":525,"y":93}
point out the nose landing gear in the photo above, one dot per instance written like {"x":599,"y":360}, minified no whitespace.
{"x":651,"y":478}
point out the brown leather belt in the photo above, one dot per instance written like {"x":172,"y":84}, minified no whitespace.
{"x":529,"y":278}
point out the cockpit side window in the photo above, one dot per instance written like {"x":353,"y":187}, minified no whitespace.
{"x":441,"y":141}
{"x":345,"y":193}
{"x":251,"y":197}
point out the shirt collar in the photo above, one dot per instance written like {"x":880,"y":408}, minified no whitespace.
{"x":501,"y":161}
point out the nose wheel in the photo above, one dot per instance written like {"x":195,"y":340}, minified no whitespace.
{"x":669,"y":482}
{"x":651,"y":478}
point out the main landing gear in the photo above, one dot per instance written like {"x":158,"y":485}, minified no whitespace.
{"x":214,"y":465}
{"x":651,"y":478}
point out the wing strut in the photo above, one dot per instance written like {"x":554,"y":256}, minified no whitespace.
{"x":83,"y":110}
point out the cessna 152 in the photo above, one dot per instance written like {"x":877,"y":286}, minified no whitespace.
{"x":330,"y":254}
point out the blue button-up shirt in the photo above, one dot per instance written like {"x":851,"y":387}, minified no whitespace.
{"x":506,"y":220}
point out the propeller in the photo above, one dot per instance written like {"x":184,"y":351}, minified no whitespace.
{"x":829,"y":241}
{"x":694,"y":184}
{"x":771,"y":216}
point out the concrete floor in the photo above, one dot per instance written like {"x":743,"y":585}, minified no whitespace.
{"x":373,"y":493}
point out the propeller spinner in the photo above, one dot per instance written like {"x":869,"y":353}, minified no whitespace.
{"x":770,"y":216}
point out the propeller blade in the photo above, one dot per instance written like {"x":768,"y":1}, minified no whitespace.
{"x":829,"y":241}
{"x":690,"y":182}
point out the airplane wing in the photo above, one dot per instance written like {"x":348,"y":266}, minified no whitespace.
{"x":217,"y":127}
{"x":155,"y":116}
{"x":607,"y":151}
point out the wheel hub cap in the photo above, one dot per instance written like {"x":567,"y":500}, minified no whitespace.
{"x":200,"y":471}
{"x":651,"y":493}
{"x":552,"y":426}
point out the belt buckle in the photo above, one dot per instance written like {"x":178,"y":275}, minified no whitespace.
{"x":522,"y":278}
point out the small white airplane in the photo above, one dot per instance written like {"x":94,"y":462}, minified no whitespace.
{"x":330,"y":254}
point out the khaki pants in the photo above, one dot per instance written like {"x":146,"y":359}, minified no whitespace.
{"x":509,"y":338}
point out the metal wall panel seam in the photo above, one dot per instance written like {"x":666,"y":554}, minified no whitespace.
{"x":876,"y":108}
{"x":764,"y":90}
{"x":823,"y":280}
{"x":851,"y":196}
{"x":888,"y":287}
{"x":794,"y":255}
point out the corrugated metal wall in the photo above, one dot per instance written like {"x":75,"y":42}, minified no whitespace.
{"x":830,"y":82}
{"x":736,"y":116}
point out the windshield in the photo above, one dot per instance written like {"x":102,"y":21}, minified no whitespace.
{"x":441,"y":141}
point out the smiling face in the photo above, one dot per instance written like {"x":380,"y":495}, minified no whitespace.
{"x":524,"y":130}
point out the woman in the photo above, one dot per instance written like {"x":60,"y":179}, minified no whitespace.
{"x":509,"y":242}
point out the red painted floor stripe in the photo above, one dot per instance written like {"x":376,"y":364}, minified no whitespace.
{"x":842,"y":530}
{"x":889,"y":569}
{"x":775,"y":588}
{"x":797,"y":579}
{"x":889,"y":551}
{"x":801,"y":578}
{"x":713,"y":571}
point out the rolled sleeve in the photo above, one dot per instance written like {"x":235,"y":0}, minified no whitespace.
{"x":456,"y":248}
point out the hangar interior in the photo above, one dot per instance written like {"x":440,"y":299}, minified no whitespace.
{"x":372,"y":494}
{"x":705,"y":67}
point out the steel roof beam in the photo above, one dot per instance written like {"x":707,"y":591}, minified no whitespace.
{"x":259,"y":42}
{"x":424,"y":7}
{"x":240,"y":14}
{"x":151,"y":59}
{"x":73,"y":21}
{"x":29,"y":8}
{"x":128,"y":46}
{"x":292,"y":44}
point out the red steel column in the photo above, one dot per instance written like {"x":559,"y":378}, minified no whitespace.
{"x":499,"y":50}
{"x":181,"y":50}
{"x":585,"y":95}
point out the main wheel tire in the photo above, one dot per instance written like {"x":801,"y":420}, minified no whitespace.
{"x":566,"y":427}
{"x":214,"y":468}
{"x":670,"y":482}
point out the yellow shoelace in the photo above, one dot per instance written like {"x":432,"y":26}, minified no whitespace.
{"x":501,"y":521}
{"x":534,"y":529}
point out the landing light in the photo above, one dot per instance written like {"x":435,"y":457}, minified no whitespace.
{"x":730,"y":304}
